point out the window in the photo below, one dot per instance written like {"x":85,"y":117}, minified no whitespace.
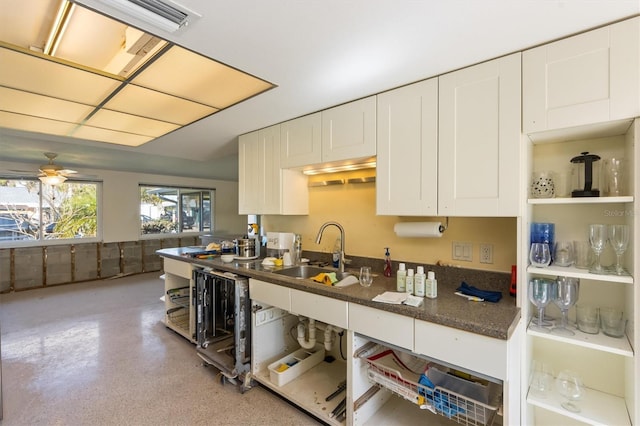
{"x":175,"y":210}
{"x":31,"y":210}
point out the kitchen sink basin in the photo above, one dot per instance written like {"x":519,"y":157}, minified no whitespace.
{"x":306,"y":272}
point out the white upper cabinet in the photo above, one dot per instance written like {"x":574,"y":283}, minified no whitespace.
{"x":264,"y":187}
{"x":589,"y":78}
{"x":479,"y":140}
{"x":349,"y":131}
{"x":301,"y":143}
{"x":407,"y":150}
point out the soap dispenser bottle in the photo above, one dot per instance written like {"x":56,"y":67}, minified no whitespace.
{"x":387,"y":263}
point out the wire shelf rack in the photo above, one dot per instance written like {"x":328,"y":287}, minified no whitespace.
{"x":455,"y":406}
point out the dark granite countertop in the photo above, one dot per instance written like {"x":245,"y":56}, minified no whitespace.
{"x":497,"y":320}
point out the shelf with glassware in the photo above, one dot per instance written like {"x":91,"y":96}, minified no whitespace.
{"x":608,"y":390}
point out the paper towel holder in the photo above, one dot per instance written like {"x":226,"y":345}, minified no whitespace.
{"x":446,"y":225}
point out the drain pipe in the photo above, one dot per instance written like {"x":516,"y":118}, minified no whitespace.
{"x":311,"y":343}
{"x":328,"y":335}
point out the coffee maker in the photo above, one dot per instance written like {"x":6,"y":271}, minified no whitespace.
{"x":280,"y":242}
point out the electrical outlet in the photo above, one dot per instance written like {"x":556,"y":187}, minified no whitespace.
{"x":462,"y":251}
{"x":486,"y":253}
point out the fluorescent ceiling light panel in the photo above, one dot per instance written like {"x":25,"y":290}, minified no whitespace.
{"x":199,"y":79}
{"x":134,"y":99}
{"x":35,"y":124}
{"x":108,"y":81}
{"x":23,"y":71}
{"x":130,"y":123}
{"x":17,"y":101}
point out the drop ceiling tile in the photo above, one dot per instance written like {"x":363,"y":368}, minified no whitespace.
{"x":129,"y":123}
{"x":34,"y":124}
{"x":25,"y":103}
{"x":153,"y":104}
{"x":47,"y":77}
{"x":192,"y":76}
{"x":110,"y":136}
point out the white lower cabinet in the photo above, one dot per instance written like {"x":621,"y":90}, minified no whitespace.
{"x":311,"y":374}
{"x":178,"y":298}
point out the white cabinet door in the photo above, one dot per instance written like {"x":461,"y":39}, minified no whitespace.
{"x":273,"y":294}
{"x":384,"y":326}
{"x":479,"y":353}
{"x":349,"y":131}
{"x":301,"y":141}
{"x":271,"y":196}
{"x":321,"y":308}
{"x":250,"y":174}
{"x":407,"y":152}
{"x":479,"y":140}
{"x":264,"y":187}
{"x":589,"y":78}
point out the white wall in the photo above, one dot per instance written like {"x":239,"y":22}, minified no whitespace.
{"x":121,"y":200}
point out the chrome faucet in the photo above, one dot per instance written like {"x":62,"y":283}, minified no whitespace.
{"x":337,"y":225}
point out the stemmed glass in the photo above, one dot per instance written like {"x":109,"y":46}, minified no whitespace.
{"x":570,"y":386}
{"x":598,"y":239}
{"x":566,"y":295}
{"x":619,"y":239}
{"x":541,"y":292}
{"x":540,"y":255}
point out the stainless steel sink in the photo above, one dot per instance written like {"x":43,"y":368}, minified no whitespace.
{"x":306,"y":272}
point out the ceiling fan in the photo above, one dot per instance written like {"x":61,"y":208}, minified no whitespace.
{"x":51,"y":173}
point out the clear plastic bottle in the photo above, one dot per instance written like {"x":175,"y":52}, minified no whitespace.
{"x":408,"y":287}
{"x":401,"y":278}
{"x":336,"y":253}
{"x":419,"y":282}
{"x":387,"y":263}
{"x":431,"y":285}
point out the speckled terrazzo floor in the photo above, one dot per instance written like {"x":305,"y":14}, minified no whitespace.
{"x":98,"y":354}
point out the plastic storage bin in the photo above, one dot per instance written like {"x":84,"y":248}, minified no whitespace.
{"x":297,"y":363}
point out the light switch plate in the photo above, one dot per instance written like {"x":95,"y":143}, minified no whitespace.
{"x":462,"y":251}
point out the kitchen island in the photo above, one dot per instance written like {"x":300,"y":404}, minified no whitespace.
{"x":478,"y":338}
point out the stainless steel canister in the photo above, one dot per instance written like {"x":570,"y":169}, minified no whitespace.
{"x":246,"y":247}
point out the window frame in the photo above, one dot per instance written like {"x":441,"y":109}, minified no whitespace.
{"x":181,"y":191}
{"x":40,"y":240}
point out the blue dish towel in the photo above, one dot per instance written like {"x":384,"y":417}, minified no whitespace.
{"x":489,"y":296}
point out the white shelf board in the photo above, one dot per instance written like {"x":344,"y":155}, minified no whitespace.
{"x":600,"y":341}
{"x":582,"y":200}
{"x":570,"y":271}
{"x":597,"y":408}
{"x":310,"y":389}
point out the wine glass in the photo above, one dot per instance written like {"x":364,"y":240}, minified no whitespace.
{"x":598,"y":239}
{"x":566,"y":295}
{"x":569,"y":385}
{"x":365,"y":276}
{"x":619,"y":239}
{"x":541,"y":292}
{"x":540,"y":255}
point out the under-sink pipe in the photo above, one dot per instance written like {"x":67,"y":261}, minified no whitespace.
{"x":311,"y":343}
{"x":328,"y":335}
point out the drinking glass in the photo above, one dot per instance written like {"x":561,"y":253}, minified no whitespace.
{"x":541,"y":380}
{"x":569,"y":385}
{"x":540,"y":255}
{"x":619,"y":239}
{"x":588,"y":318}
{"x":612,"y":322}
{"x":614,"y":177}
{"x":597,"y":239}
{"x":584,"y":255}
{"x":563,"y":253}
{"x":365,"y":276}
{"x":566,"y":296}
{"x":541,"y":292}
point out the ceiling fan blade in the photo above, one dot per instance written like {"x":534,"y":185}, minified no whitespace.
{"x":66,"y":172}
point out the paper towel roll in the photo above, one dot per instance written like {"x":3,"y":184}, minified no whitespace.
{"x":418,"y":229}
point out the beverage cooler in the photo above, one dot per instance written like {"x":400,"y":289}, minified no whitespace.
{"x":223,"y":329}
